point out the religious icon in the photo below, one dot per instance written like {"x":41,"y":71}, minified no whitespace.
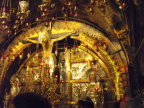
{"x":94,"y":89}
{"x":15,"y":89}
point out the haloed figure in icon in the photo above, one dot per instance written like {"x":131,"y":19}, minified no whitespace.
{"x":94,"y":90}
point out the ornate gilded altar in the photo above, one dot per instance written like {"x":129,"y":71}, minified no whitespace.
{"x":60,"y":69}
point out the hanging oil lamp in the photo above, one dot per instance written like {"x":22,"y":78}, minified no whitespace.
{"x":2,"y":58}
{"x":3,"y":22}
{"x":23,"y":12}
{"x":6,"y":26}
{"x":90,"y":8}
{"x":104,"y":44}
{"x":28,"y":55}
{"x":122,"y":6}
{"x":33,"y":72}
{"x":20,"y":56}
{"x":38,"y":18}
{"x":7,"y":58}
{"x":13,"y":57}
{"x":96,"y":45}
{"x":5,"y":13}
{"x":23,"y":6}
{"x":27,"y":24}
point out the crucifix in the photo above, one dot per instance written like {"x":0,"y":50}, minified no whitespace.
{"x":47,"y":39}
